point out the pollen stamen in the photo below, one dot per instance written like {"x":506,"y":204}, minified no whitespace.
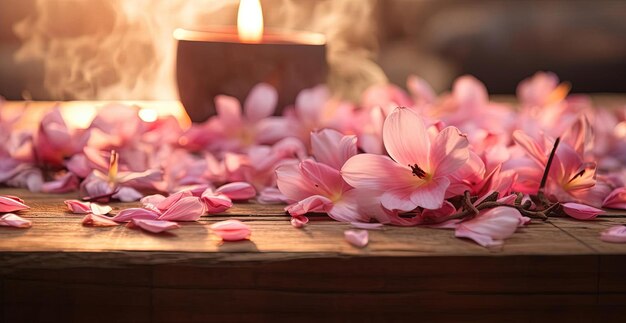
{"x":417,"y":171}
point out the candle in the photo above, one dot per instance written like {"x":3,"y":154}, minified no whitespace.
{"x":228,"y":60}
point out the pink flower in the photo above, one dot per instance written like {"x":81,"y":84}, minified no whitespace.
{"x":11,"y":204}
{"x":14,"y":220}
{"x":255,"y":126}
{"x":317,"y":187}
{"x":54,"y":140}
{"x":581,"y":211}
{"x":491,"y":227}
{"x":418,"y":170}
{"x":332,"y":148}
{"x":357,"y":238}
{"x":231,"y":230}
{"x":154,"y":226}
{"x":615,"y":234}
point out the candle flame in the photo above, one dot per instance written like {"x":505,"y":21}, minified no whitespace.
{"x":250,"y":21}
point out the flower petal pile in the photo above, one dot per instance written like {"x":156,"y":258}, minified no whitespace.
{"x":455,"y":160}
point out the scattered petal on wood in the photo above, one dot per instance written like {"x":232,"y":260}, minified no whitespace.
{"x":616,"y":234}
{"x":135,"y":213}
{"x":78,"y":207}
{"x":11,"y":204}
{"x":581,"y":211}
{"x":231,"y":230}
{"x":154,"y":226}
{"x":100,"y":209}
{"x":357,"y":238}
{"x":188,"y":208}
{"x":299,"y":221}
{"x":14,"y":220}
{"x":95,"y":220}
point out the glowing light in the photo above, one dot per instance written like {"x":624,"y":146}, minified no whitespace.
{"x":250,"y":21}
{"x":78,"y":116}
{"x":620,"y":130}
{"x":148,"y":115}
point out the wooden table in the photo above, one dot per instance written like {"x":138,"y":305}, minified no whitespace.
{"x":61,"y":271}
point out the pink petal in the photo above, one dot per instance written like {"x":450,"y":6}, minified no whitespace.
{"x":8,"y":204}
{"x":449,"y":151}
{"x":377,"y":172}
{"x":431,"y":194}
{"x":581,"y":211}
{"x":152,"y":199}
{"x":154,"y":226}
{"x":533,"y":148}
{"x":14,"y":220}
{"x":491,"y":227}
{"x":332,"y":148}
{"x":95,"y":220}
{"x":237,"y":190}
{"x":172,"y":199}
{"x":228,"y":110}
{"x":315,"y":203}
{"x":616,"y":199}
{"x":188,"y":208}
{"x":367,"y":226}
{"x":405,"y":138}
{"x":100,"y":209}
{"x":78,"y":207}
{"x":357,"y":238}
{"x":216,"y":203}
{"x":231,"y":230}
{"x":261,"y":102}
{"x":135,"y":213}
{"x":299,"y":221}
{"x":127,"y":194}
{"x":310,"y":103}
{"x":346,"y":208}
{"x":615,"y":234}
{"x":421,"y":90}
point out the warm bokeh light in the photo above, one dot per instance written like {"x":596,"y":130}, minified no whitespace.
{"x":148,"y":115}
{"x":250,"y":21}
{"x":78,"y":116}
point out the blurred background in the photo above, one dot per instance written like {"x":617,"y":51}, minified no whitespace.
{"x":123,"y":49}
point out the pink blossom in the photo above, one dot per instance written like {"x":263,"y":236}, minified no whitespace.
{"x":418,"y":172}
{"x":55,"y":141}
{"x":317,"y":187}
{"x":581,"y":211}
{"x":357,"y":238}
{"x":231,"y":230}
{"x":615,"y":234}
{"x":332,"y":148}
{"x":11,"y":204}
{"x":14,"y":220}
{"x":490,"y":228}
{"x":154,"y":226}
{"x":95,"y":220}
{"x":255,"y":126}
